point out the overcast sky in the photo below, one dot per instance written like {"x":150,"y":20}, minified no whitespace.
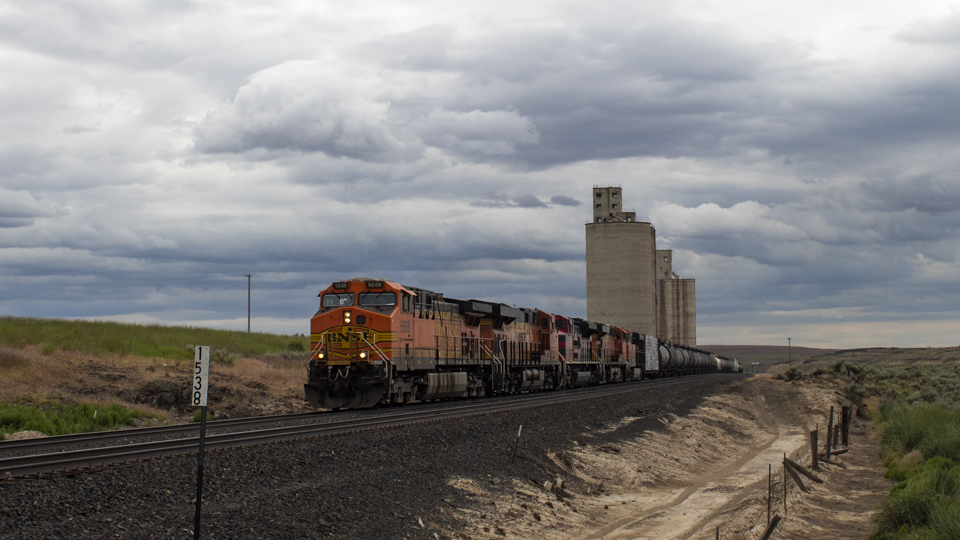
{"x":800,"y":159}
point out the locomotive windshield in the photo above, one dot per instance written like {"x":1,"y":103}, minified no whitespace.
{"x":378,"y":299}
{"x":337,"y":299}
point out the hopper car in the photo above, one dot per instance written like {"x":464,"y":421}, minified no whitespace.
{"x":376,"y":342}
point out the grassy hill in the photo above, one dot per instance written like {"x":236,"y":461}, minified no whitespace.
{"x":151,"y":341}
{"x":65,"y":369}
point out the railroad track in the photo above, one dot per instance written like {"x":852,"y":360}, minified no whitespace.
{"x":225,"y":436}
{"x":129,"y":435}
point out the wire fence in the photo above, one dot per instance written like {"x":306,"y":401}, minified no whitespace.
{"x":787,"y":480}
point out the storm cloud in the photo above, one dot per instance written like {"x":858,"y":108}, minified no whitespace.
{"x":800,"y":161}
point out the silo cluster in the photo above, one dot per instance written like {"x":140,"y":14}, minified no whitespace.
{"x":630,"y":283}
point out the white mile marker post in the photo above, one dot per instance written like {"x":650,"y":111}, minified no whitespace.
{"x":517,"y":445}
{"x":201,"y":375}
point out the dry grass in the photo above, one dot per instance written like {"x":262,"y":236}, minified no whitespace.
{"x":250,"y":386}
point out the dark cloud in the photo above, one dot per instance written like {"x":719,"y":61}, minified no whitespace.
{"x":493,"y":200}
{"x":21,"y":209}
{"x":528,"y":201}
{"x":563,"y":200}
{"x":924,"y":193}
{"x":499,"y":200}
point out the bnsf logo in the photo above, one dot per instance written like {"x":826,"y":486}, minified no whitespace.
{"x":348,"y":337}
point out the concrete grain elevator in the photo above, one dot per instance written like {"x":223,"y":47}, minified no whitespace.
{"x":629,"y":282}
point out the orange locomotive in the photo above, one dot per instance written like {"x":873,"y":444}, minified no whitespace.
{"x":377,"y":342}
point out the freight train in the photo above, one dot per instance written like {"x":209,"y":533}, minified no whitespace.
{"x":376,"y":342}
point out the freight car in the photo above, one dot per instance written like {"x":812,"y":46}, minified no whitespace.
{"x":378,"y":342}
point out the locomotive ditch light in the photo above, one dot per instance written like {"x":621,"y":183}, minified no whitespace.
{"x":320,"y":356}
{"x":363,"y":355}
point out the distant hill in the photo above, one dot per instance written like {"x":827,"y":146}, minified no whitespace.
{"x":765,"y":354}
{"x":807,"y":358}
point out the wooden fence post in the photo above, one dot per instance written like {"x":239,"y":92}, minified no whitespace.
{"x":784,"y":485}
{"x":814,"y":450}
{"x":829,"y":434}
{"x":845,"y":433}
{"x":771,"y":526}
{"x":796,"y":477}
{"x":799,"y":468}
{"x":769,"y":490}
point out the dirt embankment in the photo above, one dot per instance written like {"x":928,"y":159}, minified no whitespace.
{"x":705,"y":470}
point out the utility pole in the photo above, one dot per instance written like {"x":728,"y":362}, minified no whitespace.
{"x":248,"y":302}
{"x":789,"y":356}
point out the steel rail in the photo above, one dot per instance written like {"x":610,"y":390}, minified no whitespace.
{"x":97,"y":437}
{"x":73,"y":460}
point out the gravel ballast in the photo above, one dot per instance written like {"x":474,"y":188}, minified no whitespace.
{"x":376,"y":484}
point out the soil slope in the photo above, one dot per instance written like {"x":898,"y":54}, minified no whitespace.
{"x":707,"y":469}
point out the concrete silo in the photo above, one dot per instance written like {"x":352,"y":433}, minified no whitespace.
{"x":621,"y":265}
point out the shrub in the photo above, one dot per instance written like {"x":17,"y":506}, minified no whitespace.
{"x":926,"y":501}
{"x":911,"y":502}
{"x":60,"y":418}
{"x":12,"y":359}
{"x":296,"y":346}
{"x":197,"y":413}
{"x":931,"y":428}
{"x":792,"y":374}
{"x":222,"y":356}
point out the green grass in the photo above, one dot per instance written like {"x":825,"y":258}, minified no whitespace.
{"x":919,"y":426}
{"x":152,"y":341}
{"x":57,"y":417}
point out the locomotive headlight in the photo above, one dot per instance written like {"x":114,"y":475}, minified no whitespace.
{"x":363,"y":355}
{"x":346,"y":317}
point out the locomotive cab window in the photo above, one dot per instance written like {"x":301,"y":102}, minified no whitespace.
{"x":378,"y":299}
{"x":337,"y":300}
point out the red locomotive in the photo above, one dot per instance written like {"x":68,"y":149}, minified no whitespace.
{"x":377,"y":342}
